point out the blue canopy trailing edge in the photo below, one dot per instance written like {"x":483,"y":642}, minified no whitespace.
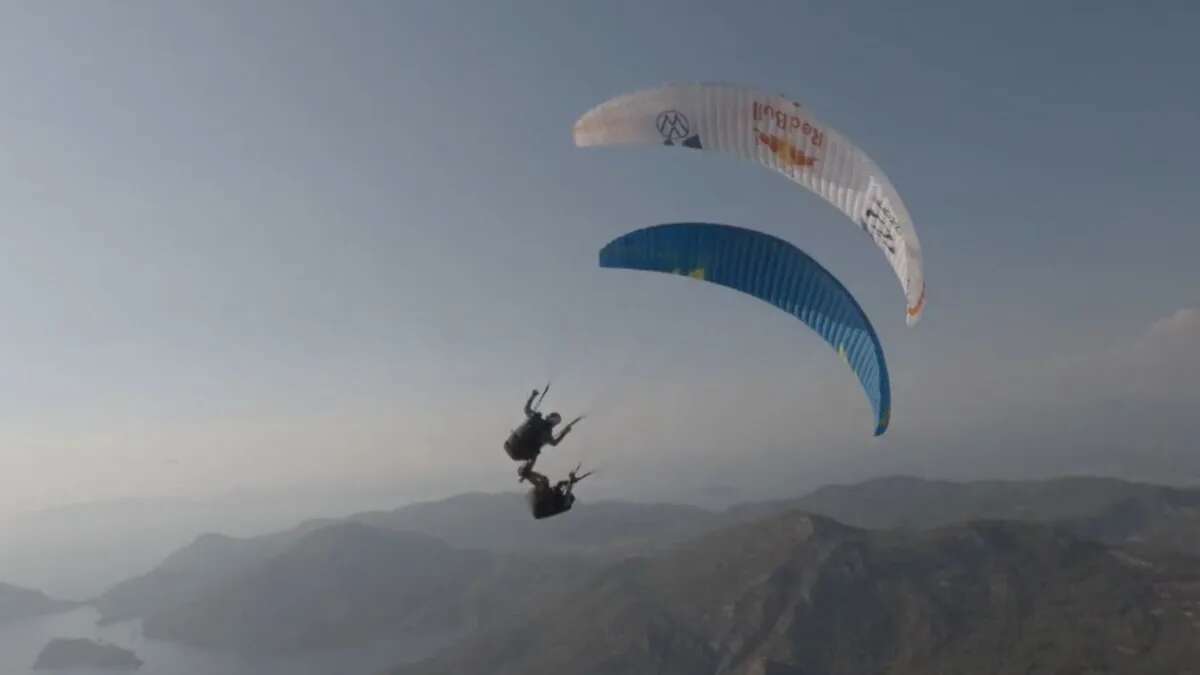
{"x":771,"y":270}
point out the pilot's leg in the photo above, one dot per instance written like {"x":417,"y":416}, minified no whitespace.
{"x":539,"y":481}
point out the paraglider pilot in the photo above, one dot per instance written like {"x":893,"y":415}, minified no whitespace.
{"x":546,"y":500}
{"x":526,"y":442}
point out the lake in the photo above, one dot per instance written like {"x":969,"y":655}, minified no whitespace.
{"x":20,"y":642}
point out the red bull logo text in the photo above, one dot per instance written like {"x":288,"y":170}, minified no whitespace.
{"x":790,"y":157}
{"x":786,"y":121}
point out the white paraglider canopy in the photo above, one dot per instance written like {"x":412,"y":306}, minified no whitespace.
{"x":777,"y":133}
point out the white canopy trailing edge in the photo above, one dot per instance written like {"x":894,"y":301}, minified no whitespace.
{"x":777,"y":133}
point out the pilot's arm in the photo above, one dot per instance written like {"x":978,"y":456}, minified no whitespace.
{"x":555,"y":440}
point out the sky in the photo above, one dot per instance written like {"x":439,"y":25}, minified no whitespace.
{"x":315,"y":245}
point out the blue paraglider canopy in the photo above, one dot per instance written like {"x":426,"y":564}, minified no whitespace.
{"x":771,"y":270}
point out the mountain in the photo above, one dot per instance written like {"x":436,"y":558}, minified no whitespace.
{"x":1108,"y":510}
{"x":348,"y":584}
{"x":501,"y":522}
{"x":797,"y":594}
{"x":20,"y":603}
{"x":75,"y":654}
{"x":498,"y":523}
{"x":80,"y":550}
{"x":206,"y":565}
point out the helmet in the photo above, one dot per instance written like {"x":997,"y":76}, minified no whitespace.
{"x":553,"y":418}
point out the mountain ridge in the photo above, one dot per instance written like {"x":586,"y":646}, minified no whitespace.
{"x":18,"y":603}
{"x":797,"y":593}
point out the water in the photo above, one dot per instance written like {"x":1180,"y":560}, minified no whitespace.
{"x":21,"y":641}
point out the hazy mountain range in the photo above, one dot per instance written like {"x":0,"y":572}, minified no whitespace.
{"x":797,"y":593}
{"x":79,"y":551}
{"x":925,"y":575}
{"x":21,"y":603}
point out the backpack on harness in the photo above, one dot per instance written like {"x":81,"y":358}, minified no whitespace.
{"x":525,"y":442}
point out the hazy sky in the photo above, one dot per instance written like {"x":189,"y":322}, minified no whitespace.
{"x":278,"y":244}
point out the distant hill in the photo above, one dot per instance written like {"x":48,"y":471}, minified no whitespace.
{"x":78,"y":551}
{"x":797,"y":594}
{"x":76,"y":654}
{"x":219,"y":590}
{"x":20,"y":603}
{"x":499,"y":523}
{"x":348,"y":584}
{"x":206,"y":565}
{"x":1108,"y":510}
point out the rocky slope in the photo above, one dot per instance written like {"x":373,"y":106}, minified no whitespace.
{"x":798,"y":594}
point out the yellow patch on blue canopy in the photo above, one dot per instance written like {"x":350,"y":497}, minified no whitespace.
{"x":695,"y":272}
